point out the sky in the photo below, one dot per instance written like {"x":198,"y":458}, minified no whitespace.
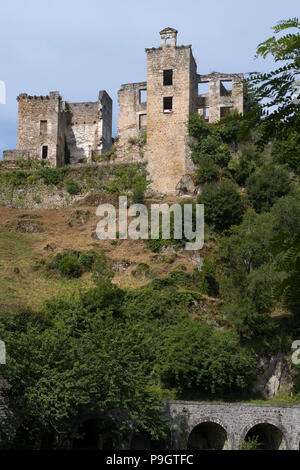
{"x":79,"y":47}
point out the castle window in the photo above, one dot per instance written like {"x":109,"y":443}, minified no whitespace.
{"x":206,"y":114}
{"x":226,"y":87}
{"x":225,"y":111}
{"x":45,"y":151}
{"x":43,"y":127}
{"x":203,"y":88}
{"x":168,"y":104}
{"x":143,"y":122}
{"x":168,"y":41}
{"x":168,"y":77}
{"x":143,"y":96}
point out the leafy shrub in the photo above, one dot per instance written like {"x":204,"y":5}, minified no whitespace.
{"x":87,"y":259}
{"x":267,"y":185}
{"x":243,"y":166}
{"x":210,"y":152}
{"x":223,"y":205}
{"x":138,"y":192}
{"x":132,"y":141}
{"x":251,"y":443}
{"x":208,"y":283}
{"x":249,"y":323}
{"x":66,"y":263}
{"x":229,"y":127}
{"x":53,"y":175}
{"x":102,"y":268}
{"x":107,"y":156}
{"x":69,"y":266}
{"x":207,"y":170}
{"x":73,"y":187}
{"x":198,"y":127}
{"x":15,"y":178}
{"x":126,"y":178}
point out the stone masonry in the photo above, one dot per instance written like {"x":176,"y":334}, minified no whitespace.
{"x":161,"y":107}
{"x":50,"y":128}
{"x":226,"y":425}
{"x":56,"y":130}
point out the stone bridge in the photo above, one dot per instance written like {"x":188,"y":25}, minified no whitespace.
{"x":202,"y":425}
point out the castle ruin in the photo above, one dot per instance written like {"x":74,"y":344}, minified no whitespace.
{"x":49,"y":128}
{"x":55,"y":130}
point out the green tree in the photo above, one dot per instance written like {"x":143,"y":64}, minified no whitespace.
{"x":287,"y":151}
{"x":267,"y":185}
{"x":223,"y":205}
{"x":197,"y":358}
{"x":280,"y":115}
{"x":209,"y":144}
{"x":245,"y":164}
{"x":63,"y":365}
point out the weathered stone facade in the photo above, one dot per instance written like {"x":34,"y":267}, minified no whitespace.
{"x":49,"y":128}
{"x":172,"y":95}
{"x":197,"y":425}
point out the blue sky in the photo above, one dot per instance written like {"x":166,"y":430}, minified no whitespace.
{"x":80,"y":47}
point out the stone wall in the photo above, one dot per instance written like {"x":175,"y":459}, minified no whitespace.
{"x":282,"y":423}
{"x":105,"y":123}
{"x":15,"y":155}
{"x":82,"y":130}
{"x":39,"y":118}
{"x":219,"y":100}
{"x":132,"y":120}
{"x":89,"y":128}
{"x":46,"y":125}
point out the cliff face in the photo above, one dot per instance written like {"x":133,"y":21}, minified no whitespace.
{"x":275,"y":376}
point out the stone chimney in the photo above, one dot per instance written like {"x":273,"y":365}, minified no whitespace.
{"x":168,"y":37}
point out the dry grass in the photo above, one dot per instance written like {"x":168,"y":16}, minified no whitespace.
{"x":24,"y":250}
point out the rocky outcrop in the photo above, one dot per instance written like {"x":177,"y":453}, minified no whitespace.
{"x":186,"y":186}
{"x":275,"y":376}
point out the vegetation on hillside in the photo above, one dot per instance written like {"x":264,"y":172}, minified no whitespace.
{"x":118,"y":352}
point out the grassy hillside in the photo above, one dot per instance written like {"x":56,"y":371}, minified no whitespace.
{"x":23,"y":277}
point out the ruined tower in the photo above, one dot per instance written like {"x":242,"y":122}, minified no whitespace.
{"x":161,"y":106}
{"x":40,"y":127}
{"x":171,"y":93}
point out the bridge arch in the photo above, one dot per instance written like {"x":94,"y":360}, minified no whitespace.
{"x":208,"y":434}
{"x":271,"y":434}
